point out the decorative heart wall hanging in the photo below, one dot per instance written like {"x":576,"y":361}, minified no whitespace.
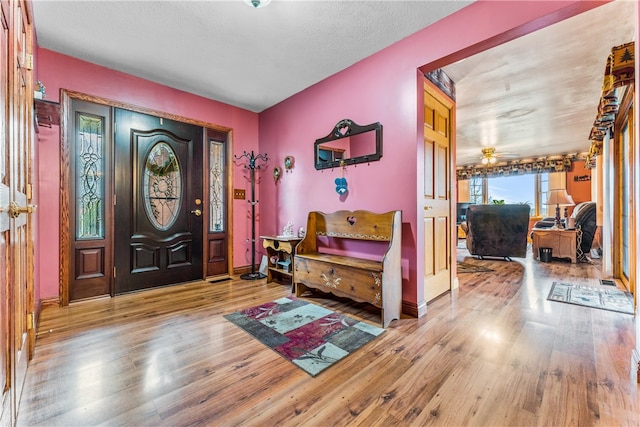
{"x":341,"y":185}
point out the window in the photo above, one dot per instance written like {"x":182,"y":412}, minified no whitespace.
{"x":625,"y":208}
{"x":475,"y":191}
{"x":530,"y":189}
{"x":542,"y":192}
{"x":520,"y":189}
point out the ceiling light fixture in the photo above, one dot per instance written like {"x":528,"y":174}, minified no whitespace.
{"x":488,"y":156}
{"x":256,"y":4}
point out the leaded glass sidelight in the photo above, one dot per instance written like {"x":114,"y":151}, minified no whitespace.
{"x":162,"y":186}
{"x":216,"y":186}
{"x":90,"y":177}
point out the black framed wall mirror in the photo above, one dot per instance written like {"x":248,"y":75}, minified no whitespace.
{"x":349,"y":144}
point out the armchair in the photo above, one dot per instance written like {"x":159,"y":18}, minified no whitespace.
{"x":585,"y":220}
{"x":497,"y":230}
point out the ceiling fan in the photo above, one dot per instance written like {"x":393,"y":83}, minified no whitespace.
{"x":488,"y":156}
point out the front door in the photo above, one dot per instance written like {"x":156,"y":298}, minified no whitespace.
{"x":437,"y":194}
{"x":158,"y":206}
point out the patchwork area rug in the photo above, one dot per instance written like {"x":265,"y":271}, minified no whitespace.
{"x":465,"y":267}
{"x":606,"y":299}
{"x":310,"y":336}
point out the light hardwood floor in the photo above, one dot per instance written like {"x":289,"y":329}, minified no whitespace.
{"x":493,"y":352}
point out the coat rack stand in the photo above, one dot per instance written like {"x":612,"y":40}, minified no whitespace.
{"x":252,"y":166}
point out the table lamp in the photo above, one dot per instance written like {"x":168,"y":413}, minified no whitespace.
{"x":559,"y":198}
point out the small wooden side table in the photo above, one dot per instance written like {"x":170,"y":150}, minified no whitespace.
{"x":562,"y":242}
{"x":280,"y":253}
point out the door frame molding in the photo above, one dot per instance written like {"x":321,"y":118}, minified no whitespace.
{"x":66,"y":96}
{"x":428,"y":87}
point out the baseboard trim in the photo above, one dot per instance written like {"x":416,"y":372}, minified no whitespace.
{"x":50,"y":302}
{"x":242,"y":270}
{"x":413,"y":309}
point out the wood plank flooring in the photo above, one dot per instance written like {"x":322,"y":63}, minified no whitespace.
{"x":494,"y":352}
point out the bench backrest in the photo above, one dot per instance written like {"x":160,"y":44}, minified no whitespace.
{"x":356,"y":225}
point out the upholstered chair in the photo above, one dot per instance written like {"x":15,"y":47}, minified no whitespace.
{"x":497,"y":230}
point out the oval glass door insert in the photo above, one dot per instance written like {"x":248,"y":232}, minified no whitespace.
{"x":162,"y":186}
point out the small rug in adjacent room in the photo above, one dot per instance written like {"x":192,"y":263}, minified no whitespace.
{"x":310,"y":336}
{"x":606,"y":299}
{"x":465,"y":267}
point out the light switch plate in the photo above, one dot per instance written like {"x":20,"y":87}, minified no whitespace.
{"x":239,"y":193}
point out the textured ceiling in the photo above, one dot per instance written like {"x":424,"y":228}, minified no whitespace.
{"x":534,"y":96}
{"x":226,"y":50}
{"x":539,"y":94}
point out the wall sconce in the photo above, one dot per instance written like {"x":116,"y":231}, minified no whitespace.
{"x":288,"y":163}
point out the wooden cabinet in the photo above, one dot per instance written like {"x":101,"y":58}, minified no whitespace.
{"x":562,"y":243}
{"x":280,"y":252}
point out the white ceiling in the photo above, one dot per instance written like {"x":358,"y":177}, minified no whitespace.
{"x":536,"y":95}
{"x":225,"y":49}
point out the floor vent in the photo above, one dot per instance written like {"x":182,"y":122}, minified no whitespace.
{"x":607,"y":282}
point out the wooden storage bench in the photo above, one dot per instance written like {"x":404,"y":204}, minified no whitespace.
{"x":378,"y":282}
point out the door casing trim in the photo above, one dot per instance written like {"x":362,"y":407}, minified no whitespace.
{"x":66,"y":96}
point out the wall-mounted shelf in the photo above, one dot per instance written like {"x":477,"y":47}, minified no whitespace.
{"x":47,"y":113}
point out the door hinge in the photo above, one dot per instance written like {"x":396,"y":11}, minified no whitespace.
{"x":29,"y":191}
{"x":28,"y":61}
{"x":114,"y":272}
{"x":114,"y":200}
{"x":30,"y":321}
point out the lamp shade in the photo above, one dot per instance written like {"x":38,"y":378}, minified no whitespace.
{"x":559,"y":198}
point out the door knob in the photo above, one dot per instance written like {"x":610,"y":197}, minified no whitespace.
{"x":15,"y":209}
{"x":197,"y":212}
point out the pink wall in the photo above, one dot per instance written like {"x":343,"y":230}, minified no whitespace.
{"x":384,"y":87}
{"x":58,"y":71}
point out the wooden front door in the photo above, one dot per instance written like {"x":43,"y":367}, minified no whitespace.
{"x":16,"y":190}
{"x":159,"y":202}
{"x":437,"y":193}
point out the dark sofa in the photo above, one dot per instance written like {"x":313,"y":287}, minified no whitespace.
{"x":497,"y":230}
